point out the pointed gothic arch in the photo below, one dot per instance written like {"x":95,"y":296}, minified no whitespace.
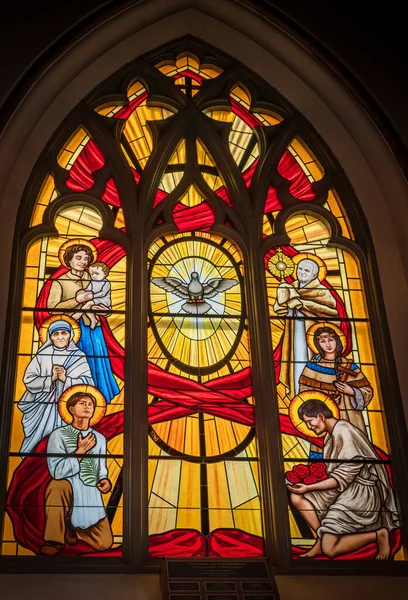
{"x":222,"y":210}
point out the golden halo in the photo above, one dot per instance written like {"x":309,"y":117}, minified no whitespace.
{"x":45,"y":325}
{"x":281,"y":265}
{"x":298,"y":400}
{"x":308,"y":255}
{"x":311,"y":331}
{"x":75,"y":242}
{"x":100,"y":409}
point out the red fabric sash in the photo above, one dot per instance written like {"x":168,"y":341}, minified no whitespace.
{"x":223,"y":397}
{"x":25,"y":506}
{"x":25,"y":499}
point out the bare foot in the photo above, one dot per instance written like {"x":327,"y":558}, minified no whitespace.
{"x":315,"y":551}
{"x":93,"y":320}
{"x":383,"y":541}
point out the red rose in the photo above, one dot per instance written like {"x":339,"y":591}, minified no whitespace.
{"x":318,"y":470}
{"x":292,"y":477}
{"x":301,"y":471}
{"x":309,"y":479}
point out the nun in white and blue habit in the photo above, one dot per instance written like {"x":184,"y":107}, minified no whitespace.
{"x":39,"y":403}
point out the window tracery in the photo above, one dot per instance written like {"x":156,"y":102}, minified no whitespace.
{"x":221,"y":190}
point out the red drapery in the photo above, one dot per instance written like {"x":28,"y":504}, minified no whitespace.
{"x":25,"y":506}
{"x":200,"y":217}
{"x":91,"y":159}
{"x":341,"y":309}
{"x":179,"y":397}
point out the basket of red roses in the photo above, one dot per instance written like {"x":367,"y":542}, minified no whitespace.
{"x":306,"y":474}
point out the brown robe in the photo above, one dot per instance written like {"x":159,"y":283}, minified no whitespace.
{"x":321,"y":376}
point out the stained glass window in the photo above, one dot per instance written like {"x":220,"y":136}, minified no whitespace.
{"x":322,"y":336}
{"x":69,"y":390}
{"x":187,"y":212}
{"x":203,"y":458}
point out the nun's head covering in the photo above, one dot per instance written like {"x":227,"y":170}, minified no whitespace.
{"x":57,"y":326}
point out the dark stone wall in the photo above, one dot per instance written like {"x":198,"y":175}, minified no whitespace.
{"x":365,"y":40}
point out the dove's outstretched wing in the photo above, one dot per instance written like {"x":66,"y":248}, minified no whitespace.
{"x":217,"y":285}
{"x":172,"y":284}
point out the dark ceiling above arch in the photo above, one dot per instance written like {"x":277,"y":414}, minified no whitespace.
{"x":370,"y":43}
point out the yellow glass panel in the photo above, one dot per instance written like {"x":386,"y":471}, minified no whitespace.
{"x":230,"y":434}
{"x":378,"y":435}
{"x":218,"y":492}
{"x":70,"y":152}
{"x":187,"y":60}
{"x":254,"y":504}
{"x":269,"y":118}
{"x":166,"y":481}
{"x":304,"y":156}
{"x":249,"y":520}
{"x":240,"y":136}
{"x":211,"y":439}
{"x":162,"y":519}
{"x":78,"y":221}
{"x":335,"y":207}
{"x":241,"y":95}
{"x":352,"y":266}
{"x":192,"y":197}
{"x":305,"y":229}
{"x":177,"y":434}
{"x":221,"y":518}
{"x":190,"y":493}
{"x":210,"y":71}
{"x":46,"y":195}
{"x":108,"y":110}
{"x":167,"y":69}
{"x":152,"y":466}
{"x":135,"y":89}
{"x":266,"y":226}
{"x":192,"y":440}
{"x":189,"y":518}
{"x":241,"y":482}
{"x":224,"y":115}
{"x":138,"y":134}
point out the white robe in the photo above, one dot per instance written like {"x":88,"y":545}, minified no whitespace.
{"x":101,"y":292}
{"x":88,"y":507}
{"x":300,"y":300}
{"x":39,"y":404}
{"x":363,"y":500}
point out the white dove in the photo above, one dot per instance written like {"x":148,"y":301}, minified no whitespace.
{"x":195,"y":292}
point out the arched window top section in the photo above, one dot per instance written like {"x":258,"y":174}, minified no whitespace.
{"x":187,"y":72}
{"x":234,"y":126}
{"x":249,"y":289}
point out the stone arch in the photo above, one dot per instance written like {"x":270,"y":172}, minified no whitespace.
{"x":273,"y":54}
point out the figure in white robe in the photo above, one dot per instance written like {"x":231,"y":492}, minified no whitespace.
{"x":355,"y":505}
{"x":74,"y":509}
{"x":58,"y":365}
{"x":305,"y":297}
{"x":88,"y":507}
